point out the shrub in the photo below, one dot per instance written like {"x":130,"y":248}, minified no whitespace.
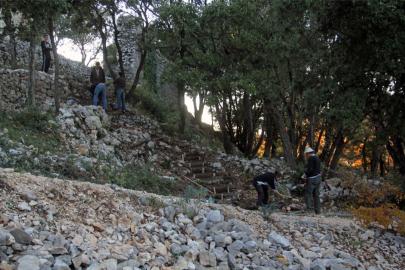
{"x":140,"y":178}
{"x":152,"y":103}
{"x":32,"y":127}
{"x":374,"y":197}
{"x":386,"y":215}
{"x":34,"y":119}
{"x":194,"y":193}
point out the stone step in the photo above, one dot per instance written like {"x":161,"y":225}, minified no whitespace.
{"x":209,"y":182}
{"x":201,"y":169}
{"x":208,"y":175}
{"x":196,"y":164}
{"x":223,"y":197}
{"x":193,"y":157}
{"x":224,"y":188}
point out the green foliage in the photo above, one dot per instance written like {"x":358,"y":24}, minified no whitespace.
{"x":150,"y":71}
{"x":112,"y":54}
{"x":140,"y":178}
{"x":33,"y":119}
{"x":194,"y":193}
{"x":152,"y":103}
{"x":32,"y":127}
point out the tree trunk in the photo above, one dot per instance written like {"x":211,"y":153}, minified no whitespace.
{"x":327,"y":144}
{"x":285,"y":138}
{"x":137,"y":77}
{"x":382,"y":166}
{"x":338,"y":152}
{"x":9,"y":30}
{"x":56,"y":66}
{"x":31,"y":68}
{"x":248,"y":125}
{"x":375,"y":159}
{"x":117,"y":43}
{"x":181,"y":106}
{"x":311,"y":132}
{"x":270,"y":131}
{"x":318,"y":142}
{"x":198,"y":110}
{"x":397,"y":153}
{"x":83,"y":54}
{"x":103,"y":35}
{"x":13,"y":51}
{"x":258,"y":145}
{"x":364,"y":156}
{"x":221,"y":117}
{"x":267,"y":148}
{"x":330,"y":154}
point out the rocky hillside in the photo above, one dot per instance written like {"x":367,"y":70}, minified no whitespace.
{"x":48,"y":223}
{"x":93,"y":146}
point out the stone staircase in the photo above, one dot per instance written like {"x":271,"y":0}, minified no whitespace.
{"x":221,"y":185}
{"x":193,"y":163}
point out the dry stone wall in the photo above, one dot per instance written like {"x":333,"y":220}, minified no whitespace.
{"x":14,"y":82}
{"x":75,"y":76}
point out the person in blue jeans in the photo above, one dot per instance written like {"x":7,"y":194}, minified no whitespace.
{"x":119,"y":84}
{"x":101,"y":89}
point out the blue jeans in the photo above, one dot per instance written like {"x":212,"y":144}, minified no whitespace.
{"x":120,"y":94}
{"x":100,"y":89}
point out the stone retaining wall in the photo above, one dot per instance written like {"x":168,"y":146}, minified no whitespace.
{"x":74,"y":79}
{"x":14,"y":89}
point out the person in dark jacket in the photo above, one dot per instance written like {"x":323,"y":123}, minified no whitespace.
{"x":262,"y":183}
{"x":313,"y":180}
{"x":96,"y":76}
{"x":46,"y":53}
{"x":119,"y":84}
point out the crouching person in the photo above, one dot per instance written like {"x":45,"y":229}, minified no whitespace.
{"x":262,"y":184}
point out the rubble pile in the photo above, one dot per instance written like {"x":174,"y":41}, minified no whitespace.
{"x":57,"y":224}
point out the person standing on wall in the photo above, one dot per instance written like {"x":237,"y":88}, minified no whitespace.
{"x":313,"y":180}
{"x":119,"y":84}
{"x":96,"y":76}
{"x":46,"y":53}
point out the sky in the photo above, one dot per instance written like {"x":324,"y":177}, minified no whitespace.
{"x":67,"y":49}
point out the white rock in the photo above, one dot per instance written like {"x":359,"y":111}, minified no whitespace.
{"x":23,"y":206}
{"x":215,"y":216}
{"x":28,"y":262}
{"x":279,"y":239}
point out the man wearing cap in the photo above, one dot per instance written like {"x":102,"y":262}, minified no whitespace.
{"x":313,"y":177}
{"x":262,"y":183}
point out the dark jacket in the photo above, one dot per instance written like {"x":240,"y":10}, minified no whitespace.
{"x":46,"y":49}
{"x":119,"y":83}
{"x":313,"y":167}
{"x":268,"y":178}
{"x":96,"y":78}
